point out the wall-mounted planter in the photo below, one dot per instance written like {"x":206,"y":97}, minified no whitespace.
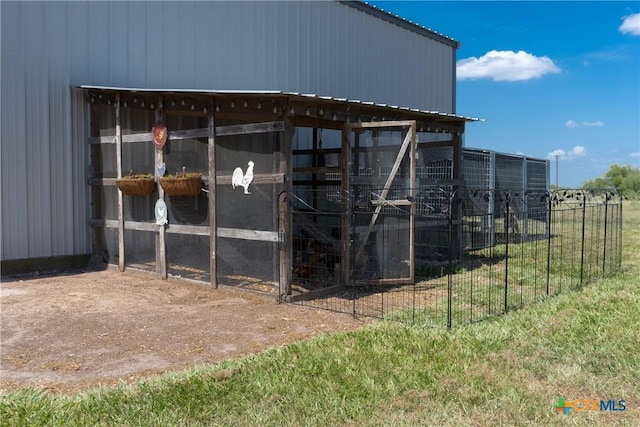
{"x":189,"y":184}
{"x":136,"y":185}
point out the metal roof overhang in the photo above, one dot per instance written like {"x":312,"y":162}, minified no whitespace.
{"x":304,"y":109}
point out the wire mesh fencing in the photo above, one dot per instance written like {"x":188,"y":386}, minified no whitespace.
{"x":445,"y":257}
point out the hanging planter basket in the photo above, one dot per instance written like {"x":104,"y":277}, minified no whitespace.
{"x":188,"y":184}
{"x":136,"y":185}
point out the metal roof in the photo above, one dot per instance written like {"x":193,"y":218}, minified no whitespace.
{"x":400,"y":21}
{"x":295,"y":96}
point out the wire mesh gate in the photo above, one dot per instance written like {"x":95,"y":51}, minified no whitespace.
{"x":573,"y":237}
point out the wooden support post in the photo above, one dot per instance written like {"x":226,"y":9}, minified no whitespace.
{"x":285,"y":223}
{"x":285,"y":258}
{"x":346,"y":206}
{"x":212,"y":201}
{"x":119,"y":175}
{"x":314,"y":164}
{"x":412,"y":196}
{"x":375,"y":142}
{"x":355,"y":159}
{"x":161,"y":246}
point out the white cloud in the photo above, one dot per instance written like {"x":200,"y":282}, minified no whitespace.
{"x":577,"y":151}
{"x":636,"y":154}
{"x":505,"y":66}
{"x":556,"y":153}
{"x":573,"y":124}
{"x":631,"y":25}
{"x":619,"y":52}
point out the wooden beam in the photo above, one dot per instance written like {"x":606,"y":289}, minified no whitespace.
{"x":259,"y":235}
{"x":95,"y":140}
{"x":375,"y":151}
{"x":118,"y":140}
{"x":286,"y":166}
{"x":389,"y":124}
{"x":250,"y":128}
{"x":285,"y":219}
{"x":175,"y":135}
{"x":194,"y":230}
{"x":262,"y":178}
{"x":410,"y":136}
{"x":315,"y":160}
{"x":355,"y":154}
{"x":203,"y":133}
{"x":189,"y":134}
{"x":212,"y":179}
{"x":404,"y":202}
{"x":161,"y":244}
{"x":412,"y":194}
{"x":274,"y":178}
{"x":285,"y":263}
{"x":137,"y":137}
{"x":147,"y":137}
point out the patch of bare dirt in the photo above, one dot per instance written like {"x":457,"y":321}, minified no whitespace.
{"x":72,"y":332}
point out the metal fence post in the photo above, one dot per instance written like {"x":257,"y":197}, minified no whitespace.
{"x":549,"y":222}
{"x":450,"y":262}
{"x":350,"y":277}
{"x":506,"y":251}
{"x":619,"y":264}
{"x":584,"y":216}
{"x":604,"y":243}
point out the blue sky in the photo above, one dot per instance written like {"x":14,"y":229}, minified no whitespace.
{"x":550,"y":78}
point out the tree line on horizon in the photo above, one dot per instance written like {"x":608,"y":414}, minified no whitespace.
{"x":625,"y":178}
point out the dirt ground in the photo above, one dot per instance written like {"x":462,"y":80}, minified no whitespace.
{"x":75,"y":331}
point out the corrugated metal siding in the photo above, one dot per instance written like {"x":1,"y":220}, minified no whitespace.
{"x":13,"y":155}
{"x":312,"y":47}
{"x":315,"y":47}
{"x":14,"y":147}
{"x":79,"y":125}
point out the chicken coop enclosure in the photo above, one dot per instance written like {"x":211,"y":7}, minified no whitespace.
{"x":350,"y":206}
{"x":265,"y":164}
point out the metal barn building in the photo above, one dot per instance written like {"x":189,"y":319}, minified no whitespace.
{"x":329,"y":48}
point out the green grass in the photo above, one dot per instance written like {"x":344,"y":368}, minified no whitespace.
{"x":504,"y":371}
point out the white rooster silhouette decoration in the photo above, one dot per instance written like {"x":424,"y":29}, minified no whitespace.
{"x":243,"y":180}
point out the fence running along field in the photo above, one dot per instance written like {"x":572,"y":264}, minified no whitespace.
{"x":450,"y":257}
